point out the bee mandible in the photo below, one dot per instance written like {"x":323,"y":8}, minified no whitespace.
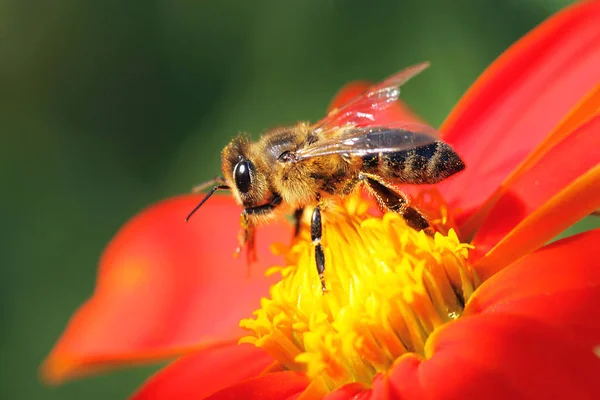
{"x":293,"y":167}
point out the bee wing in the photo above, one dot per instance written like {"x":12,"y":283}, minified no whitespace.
{"x":361,"y":141}
{"x":363,"y":109}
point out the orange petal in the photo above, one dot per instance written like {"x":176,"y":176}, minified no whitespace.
{"x":165,"y":286}
{"x":571,"y":204}
{"x":500,"y":356}
{"x":583,"y":112}
{"x":275,"y":386}
{"x":558,"y":285}
{"x":205,"y":372}
{"x":546,"y":178}
{"x":518,"y":100}
{"x":315,"y":390}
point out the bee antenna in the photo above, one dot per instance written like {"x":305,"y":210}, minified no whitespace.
{"x":212,"y":191}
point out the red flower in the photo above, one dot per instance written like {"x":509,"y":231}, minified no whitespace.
{"x":529,"y":131}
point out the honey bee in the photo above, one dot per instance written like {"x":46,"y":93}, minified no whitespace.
{"x":293,"y":167}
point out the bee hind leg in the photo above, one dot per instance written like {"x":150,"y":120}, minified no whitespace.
{"x":316,"y":233}
{"x":391,"y":200}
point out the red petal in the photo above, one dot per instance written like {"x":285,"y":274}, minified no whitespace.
{"x":382,"y":389}
{"x":553,"y":172}
{"x":518,"y":100}
{"x":205,"y":372}
{"x":558,"y":285}
{"x":346,"y":392}
{"x":498,"y":356}
{"x":165,"y":286}
{"x":275,"y":386}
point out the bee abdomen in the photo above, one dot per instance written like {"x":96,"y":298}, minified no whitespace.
{"x":427,"y":164}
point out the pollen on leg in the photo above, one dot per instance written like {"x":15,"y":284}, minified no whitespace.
{"x":388,"y":288}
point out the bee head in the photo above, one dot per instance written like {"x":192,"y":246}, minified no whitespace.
{"x":243,"y":175}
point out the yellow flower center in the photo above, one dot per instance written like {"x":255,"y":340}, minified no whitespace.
{"x":388,"y":288}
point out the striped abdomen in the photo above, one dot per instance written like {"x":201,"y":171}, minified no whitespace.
{"x":422,"y":165}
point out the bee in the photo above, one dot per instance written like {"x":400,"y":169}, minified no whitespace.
{"x":293,"y":167}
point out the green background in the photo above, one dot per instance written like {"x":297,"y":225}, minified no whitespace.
{"x":108,"y":106}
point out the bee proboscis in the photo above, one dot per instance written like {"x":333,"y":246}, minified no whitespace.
{"x":297,"y":166}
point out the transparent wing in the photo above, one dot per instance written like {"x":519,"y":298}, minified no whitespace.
{"x":363,"y":109}
{"x":361,"y":141}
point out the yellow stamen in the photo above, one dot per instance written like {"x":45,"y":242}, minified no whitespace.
{"x":388,"y":288}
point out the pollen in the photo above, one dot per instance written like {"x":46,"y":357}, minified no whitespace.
{"x":389,"y":288}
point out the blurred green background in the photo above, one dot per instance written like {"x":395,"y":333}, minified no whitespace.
{"x":108,"y":106}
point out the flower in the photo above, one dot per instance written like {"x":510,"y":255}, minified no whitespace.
{"x":390,"y":287}
{"x":484,"y":310}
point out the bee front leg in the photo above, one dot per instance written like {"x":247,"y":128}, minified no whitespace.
{"x":246,"y":238}
{"x":298,"y":221}
{"x":247,"y":233}
{"x":316,"y":233}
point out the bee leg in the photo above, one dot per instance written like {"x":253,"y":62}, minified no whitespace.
{"x":316,"y":232}
{"x":297,"y":221}
{"x":246,"y":238}
{"x":251,"y":256}
{"x":396,"y":202}
{"x":248,"y":228}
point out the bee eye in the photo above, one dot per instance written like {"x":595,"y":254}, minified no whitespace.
{"x":242,"y":173}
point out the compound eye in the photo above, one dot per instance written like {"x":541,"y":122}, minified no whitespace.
{"x":242,"y":173}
